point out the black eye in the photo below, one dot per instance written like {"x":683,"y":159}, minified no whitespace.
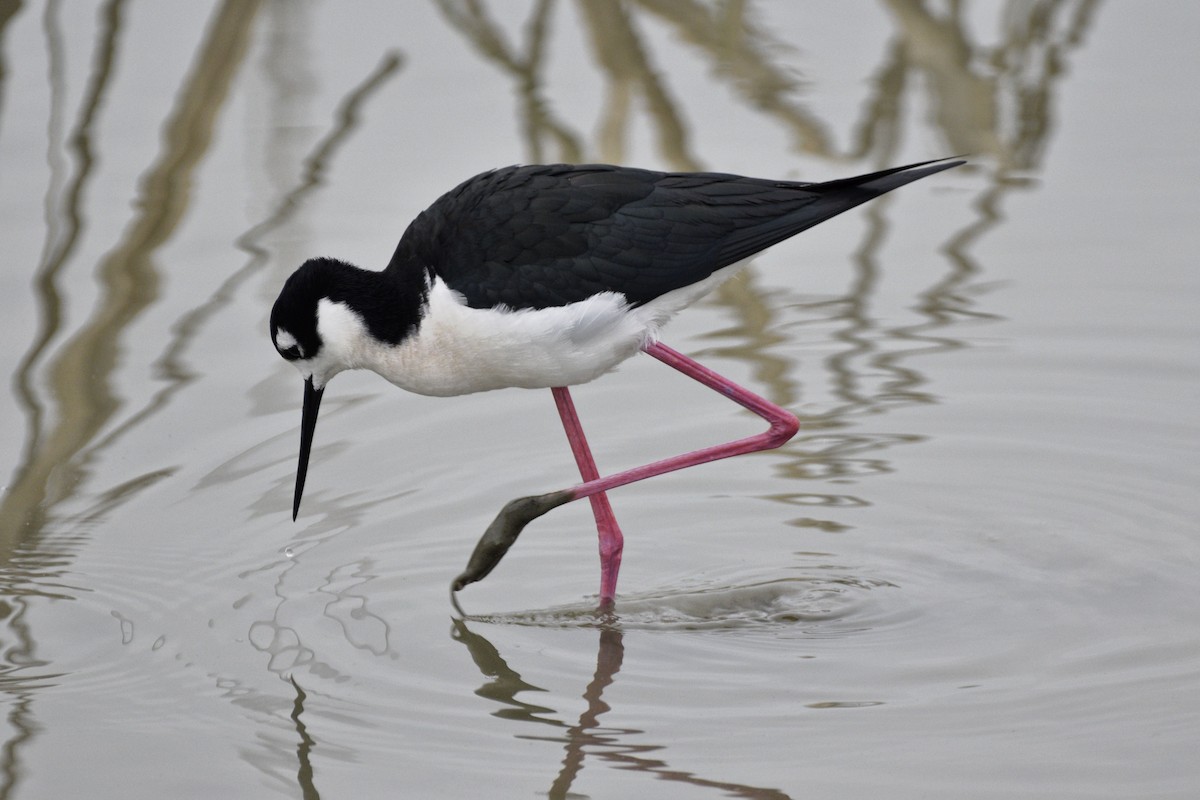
{"x":286,"y":344}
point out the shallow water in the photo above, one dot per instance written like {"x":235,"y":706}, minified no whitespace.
{"x":972,"y":573}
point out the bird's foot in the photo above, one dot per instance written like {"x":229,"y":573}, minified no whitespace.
{"x":503,"y":532}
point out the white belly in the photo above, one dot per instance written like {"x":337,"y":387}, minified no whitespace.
{"x":460,"y":350}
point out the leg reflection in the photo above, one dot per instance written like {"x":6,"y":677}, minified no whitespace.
{"x":585,"y":737}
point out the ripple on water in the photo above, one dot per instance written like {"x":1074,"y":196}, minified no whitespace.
{"x":817,"y":606}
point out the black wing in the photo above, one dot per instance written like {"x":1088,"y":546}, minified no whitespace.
{"x":547,"y":235}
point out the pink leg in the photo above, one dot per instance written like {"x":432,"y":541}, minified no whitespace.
{"x":783,"y":427}
{"x":611,"y":540}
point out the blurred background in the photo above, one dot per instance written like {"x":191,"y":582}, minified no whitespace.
{"x":972,"y":573}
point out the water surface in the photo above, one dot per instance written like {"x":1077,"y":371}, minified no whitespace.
{"x":972,"y":573}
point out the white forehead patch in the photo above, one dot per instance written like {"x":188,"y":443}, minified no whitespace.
{"x":284,"y":340}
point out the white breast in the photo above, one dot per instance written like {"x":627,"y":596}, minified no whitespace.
{"x":460,"y":350}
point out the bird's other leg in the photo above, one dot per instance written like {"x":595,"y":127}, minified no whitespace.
{"x":783,"y":426}
{"x":520,"y":512}
{"x":611,"y":540}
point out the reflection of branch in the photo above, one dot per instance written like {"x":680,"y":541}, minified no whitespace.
{"x":1027,"y":64}
{"x":737,"y":48}
{"x":969,"y":84}
{"x":963,"y":100}
{"x":8,"y":11}
{"x":17,"y":643}
{"x":304,"y":773}
{"x":81,"y":374}
{"x":58,"y":249}
{"x":618,"y":50}
{"x":739,"y":51}
{"x":186,"y":329}
{"x":472,"y":21}
{"x":17,"y":655}
{"x":883,"y":118}
{"x":1035,"y":59}
{"x":346,"y":119}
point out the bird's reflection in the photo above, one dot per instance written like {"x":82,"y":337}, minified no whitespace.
{"x":618,"y":747}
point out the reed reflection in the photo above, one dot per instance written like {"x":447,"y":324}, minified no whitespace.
{"x":81,"y":371}
{"x":59,"y":446}
{"x":622,"y":748}
{"x":304,"y":772}
{"x":20,"y":564}
{"x":991,"y":101}
{"x":64,"y":424}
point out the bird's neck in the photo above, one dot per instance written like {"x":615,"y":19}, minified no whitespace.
{"x":390,"y":303}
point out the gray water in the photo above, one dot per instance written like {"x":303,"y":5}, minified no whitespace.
{"x":972,"y":574}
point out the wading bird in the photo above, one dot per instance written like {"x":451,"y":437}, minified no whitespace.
{"x":549,"y":276}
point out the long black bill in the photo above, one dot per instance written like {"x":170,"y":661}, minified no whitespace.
{"x":308,"y":424}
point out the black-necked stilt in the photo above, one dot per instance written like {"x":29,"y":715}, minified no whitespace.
{"x":547,"y":277}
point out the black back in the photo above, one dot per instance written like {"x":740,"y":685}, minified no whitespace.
{"x":546,"y":235}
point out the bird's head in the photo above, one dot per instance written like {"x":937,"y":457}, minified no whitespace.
{"x":313,"y":323}
{"x":315,"y":327}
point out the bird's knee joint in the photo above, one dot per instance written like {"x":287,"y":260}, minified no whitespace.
{"x":782,"y":429}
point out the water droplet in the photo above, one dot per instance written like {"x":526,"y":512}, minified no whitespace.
{"x":287,"y":551}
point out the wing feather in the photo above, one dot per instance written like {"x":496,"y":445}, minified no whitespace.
{"x":548,"y":235}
